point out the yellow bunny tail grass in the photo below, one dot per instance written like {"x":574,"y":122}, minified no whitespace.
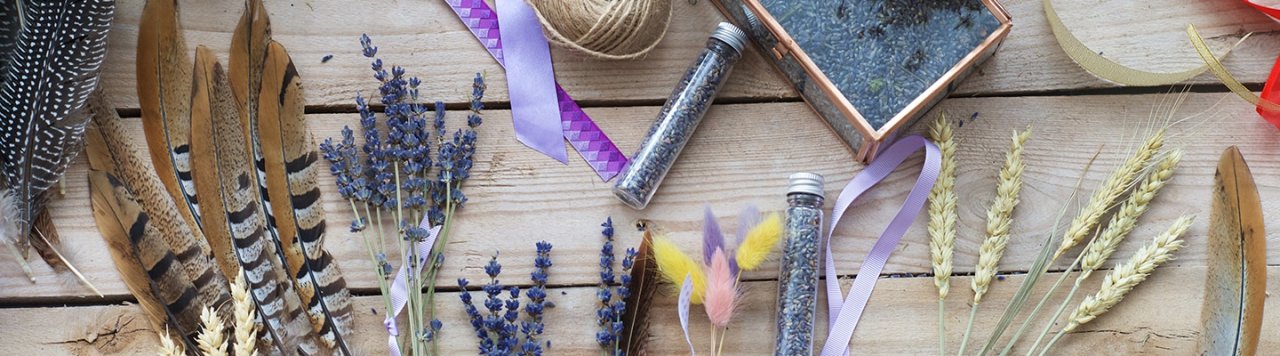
{"x":674,"y":265}
{"x":211,"y":340}
{"x":168,"y":347}
{"x":246,"y":328}
{"x":1125,"y":277}
{"x":759,"y":243}
{"x":942,"y":208}
{"x":1000,"y":216}
{"x":1110,"y":190}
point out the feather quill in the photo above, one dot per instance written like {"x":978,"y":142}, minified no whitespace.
{"x":164,"y":95}
{"x":1235,"y":292}
{"x":644,"y":286}
{"x":722,"y":290}
{"x":53,"y":69}
{"x":675,"y":265}
{"x":44,"y":239}
{"x":111,"y":150}
{"x":292,"y":182}
{"x":224,"y":180}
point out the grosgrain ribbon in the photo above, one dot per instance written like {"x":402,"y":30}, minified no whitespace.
{"x":686,"y":293}
{"x":583,"y":133}
{"x":400,"y":286}
{"x":844,"y":317}
{"x":532,"y":90}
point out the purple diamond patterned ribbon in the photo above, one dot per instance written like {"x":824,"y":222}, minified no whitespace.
{"x":583,"y":133}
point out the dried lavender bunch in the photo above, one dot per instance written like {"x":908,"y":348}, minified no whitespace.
{"x":499,"y":328}
{"x":398,"y":184}
{"x":612,"y":296}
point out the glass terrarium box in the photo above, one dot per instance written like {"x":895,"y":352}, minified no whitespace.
{"x":872,"y":67}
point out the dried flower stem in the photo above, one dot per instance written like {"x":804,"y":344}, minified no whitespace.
{"x":1104,"y":244}
{"x":999,"y":221}
{"x":1109,"y":191}
{"x":942,"y":220}
{"x":1125,"y":277}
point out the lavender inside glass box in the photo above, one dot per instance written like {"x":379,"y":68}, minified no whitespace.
{"x":871,"y":67}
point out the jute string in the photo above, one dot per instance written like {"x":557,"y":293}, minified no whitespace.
{"x":610,"y":29}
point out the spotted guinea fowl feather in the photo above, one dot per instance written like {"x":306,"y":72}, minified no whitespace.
{"x":10,"y":24}
{"x":112,"y":150}
{"x":164,"y":95}
{"x":52,"y":71}
{"x":292,"y":180}
{"x":224,"y":180}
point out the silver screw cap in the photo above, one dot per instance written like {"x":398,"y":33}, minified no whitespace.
{"x":730,"y":34}
{"x":808,"y":183}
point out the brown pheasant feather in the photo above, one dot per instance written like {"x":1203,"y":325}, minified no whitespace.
{"x":248,"y":56}
{"x":1236,"y":278}
{"x":44,"y":239}
{"x":290,"y":165}
{"x":224,"y":178}
{"x":164,"y":94}
{"x":644,"y":286}
{"x":112,"y":151}
{"x":148,"y":267}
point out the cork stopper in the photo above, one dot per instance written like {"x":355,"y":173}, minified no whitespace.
{"x":807,"y":183}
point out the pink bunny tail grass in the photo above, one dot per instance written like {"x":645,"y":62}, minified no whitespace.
{"x":722,"y":290}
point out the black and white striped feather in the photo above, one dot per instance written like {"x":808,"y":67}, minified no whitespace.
{"x":52,"y":71}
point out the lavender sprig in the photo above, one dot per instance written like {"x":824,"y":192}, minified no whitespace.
{"x":501,"y":331}
{"x":612,"y":296}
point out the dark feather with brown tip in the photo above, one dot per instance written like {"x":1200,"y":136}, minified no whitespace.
{"x":644,"y":286}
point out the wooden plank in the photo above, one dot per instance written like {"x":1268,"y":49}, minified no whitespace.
{"x":901,"y":320}
{"x":742,"y":155}
{"x":424,"y":37}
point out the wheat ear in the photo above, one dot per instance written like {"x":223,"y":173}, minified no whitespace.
{"x":211,"y":340}
{"x":1110,"y":190}
{"x":168,"y":347}
{"x":942,"y":220}
{"x":246,"y":329}
{"x":999,"y":221}
{"x":1125,"y":277}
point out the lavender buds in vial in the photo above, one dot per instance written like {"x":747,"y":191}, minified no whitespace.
{"x":680,"y":116}
{"x":798,"y":273}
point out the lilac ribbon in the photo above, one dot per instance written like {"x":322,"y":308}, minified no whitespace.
{"x":533,"y":95}
{"x":583,"y":133}
{"x":400,"y":286}
{"x":686,"y":293}
{"x":843,"y":317}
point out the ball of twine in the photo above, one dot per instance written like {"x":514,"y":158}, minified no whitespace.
{"x":610,"y":29}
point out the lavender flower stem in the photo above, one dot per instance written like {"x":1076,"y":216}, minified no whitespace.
{"x":435,"y":252}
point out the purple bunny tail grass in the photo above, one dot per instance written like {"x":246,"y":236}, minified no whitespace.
{"x":749,"y":218}
{"x":712,"y":239}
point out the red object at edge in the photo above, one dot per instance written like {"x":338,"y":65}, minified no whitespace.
{"x":1271,"y":93}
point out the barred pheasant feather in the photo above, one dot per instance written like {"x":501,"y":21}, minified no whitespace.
{"x":53,"y":68}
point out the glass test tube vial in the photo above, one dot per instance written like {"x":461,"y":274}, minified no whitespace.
{"x":798,"y":274}
{"x":679,"y":117}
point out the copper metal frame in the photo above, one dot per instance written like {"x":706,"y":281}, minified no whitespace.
{"x":935,"y":92}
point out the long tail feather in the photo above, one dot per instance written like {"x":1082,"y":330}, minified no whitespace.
{"x":54,"y":68}
{"x":290,"y":165}
{"x":164,"y":94}
{"x":224,"y":179}
{"x":1236,"y":288}
{"x":112,"y":150}
{"x":149,"y":268}
{"x":644,"y":286}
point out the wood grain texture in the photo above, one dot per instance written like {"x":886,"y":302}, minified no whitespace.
{"x":741,"y":155}
{"x":1142,"y":325}
{"x":423,"y":36}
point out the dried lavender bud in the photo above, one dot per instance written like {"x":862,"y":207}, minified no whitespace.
{"x":682,"y":113}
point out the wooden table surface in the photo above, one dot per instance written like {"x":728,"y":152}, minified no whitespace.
{"x":757,"y":134}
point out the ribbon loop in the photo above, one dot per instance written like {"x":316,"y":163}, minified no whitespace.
{"x":843,"y":316}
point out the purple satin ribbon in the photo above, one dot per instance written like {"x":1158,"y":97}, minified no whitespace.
{"x":533,"y":95}
{"x":400,"y":286}
{"x":843,"y":317}
{"x":575,"y":126}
